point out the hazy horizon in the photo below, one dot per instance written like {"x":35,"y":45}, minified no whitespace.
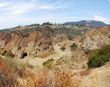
{"x":25,"y":12}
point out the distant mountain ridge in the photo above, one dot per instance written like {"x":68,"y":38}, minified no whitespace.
{"x":91,"y":23}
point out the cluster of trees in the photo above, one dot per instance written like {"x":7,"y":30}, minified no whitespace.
{"x":43,"y":24}
{"x":49,"y":23}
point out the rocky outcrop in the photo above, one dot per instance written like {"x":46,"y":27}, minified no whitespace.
{"x":25,"y":44}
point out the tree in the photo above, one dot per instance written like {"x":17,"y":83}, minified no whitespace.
{"x":47,"y":23}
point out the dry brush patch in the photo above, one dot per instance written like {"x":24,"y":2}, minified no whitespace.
{"x":7,"y":76}
{"x":85,"y":72}
{"x":48,"y":78}
{"x":26,"y":77}
{"x":32,"y":79}
{"x":66,"y":78}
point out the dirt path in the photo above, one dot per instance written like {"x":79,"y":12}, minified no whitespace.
{"x":58,"y":54}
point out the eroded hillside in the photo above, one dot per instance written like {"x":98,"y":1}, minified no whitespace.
{"x":21,"y":45}
{"x":42,"y":59}
{"x":37,"y":41}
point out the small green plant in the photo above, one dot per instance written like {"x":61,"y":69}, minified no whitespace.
{"x":99,"y":57}
{"x":109,"y":36}
{"x":9,"y":54}
{"x":48,"y":63}
{"x":62,"y":48}
{"x":70,"y":37}
{"x":73,"y":46}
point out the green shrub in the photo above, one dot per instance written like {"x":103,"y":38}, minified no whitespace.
{"x":109,"y":36}
{"x":73,"y":46}
{"x":9,"y":55}
{"x":48,"y":63}
{"x":47,"y":23}
{"x":99,"y":57}
{"x":70,"y":37}
{"x":62,"y":48}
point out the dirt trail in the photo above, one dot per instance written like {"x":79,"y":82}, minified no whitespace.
{"x":58,"y":54}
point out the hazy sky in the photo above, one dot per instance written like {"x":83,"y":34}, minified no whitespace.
{"x":22,"y":12}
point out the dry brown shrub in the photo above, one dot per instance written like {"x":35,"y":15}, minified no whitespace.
{"x":27,"y":77}
{"x":48,"y":78}
{"x":7,"y":76}
{"x":33,"y":79}
{"x":85,"y":72}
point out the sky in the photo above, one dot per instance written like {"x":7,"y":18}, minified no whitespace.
{"x":24,"y":12}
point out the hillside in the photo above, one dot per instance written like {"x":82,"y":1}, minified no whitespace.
{"x":36,"y":42}
{"x":44,"y":56}
{"x":50,"y":30}
{"x":91,"y":40}
{"x":21,"y":45}
{"x":95,"y":38}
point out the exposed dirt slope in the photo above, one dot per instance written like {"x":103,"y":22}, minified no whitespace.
{"x":29,"y":44}
{"x":95,"y":38}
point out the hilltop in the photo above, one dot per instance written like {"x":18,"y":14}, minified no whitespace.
{"x":50,"y":29}
{"x":90,"y":23}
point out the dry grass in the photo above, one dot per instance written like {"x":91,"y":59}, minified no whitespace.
{"x":7,"y":76}
{"x":48,"y":78}
{"x":65,"y":79}
{"x":26,"y":77}
{"x":85,"y":72}
{"x":32,"y":79}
